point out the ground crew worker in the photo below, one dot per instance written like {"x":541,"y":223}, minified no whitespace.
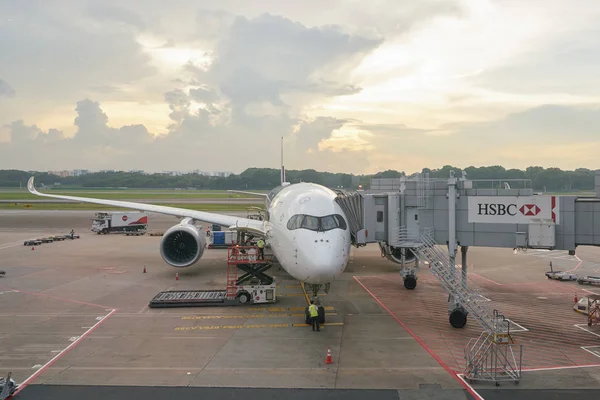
{"x":314,"y":315}
{"x":261,"y":248}
{"x":72,"y":234}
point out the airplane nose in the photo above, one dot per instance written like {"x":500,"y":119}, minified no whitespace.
{"x":327,"y":259}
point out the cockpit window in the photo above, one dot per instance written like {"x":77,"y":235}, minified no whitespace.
{"x":318,"y":224}
{"x":310,"y":222}
{"x":328,"y":223}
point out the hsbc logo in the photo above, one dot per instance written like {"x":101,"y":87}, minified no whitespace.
{"x":530,"y":210}
{"x":512,"y":209}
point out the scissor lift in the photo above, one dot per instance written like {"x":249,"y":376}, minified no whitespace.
{"x":593,"y":309}
{"x":252,"y":287}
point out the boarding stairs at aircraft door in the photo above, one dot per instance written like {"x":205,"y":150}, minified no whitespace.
{"x":426,"y":249}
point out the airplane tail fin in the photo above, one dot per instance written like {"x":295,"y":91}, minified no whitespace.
{"x":283,"y":182}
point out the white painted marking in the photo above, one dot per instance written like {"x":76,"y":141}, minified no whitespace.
{"x":85,"y":327}
{"x":56,"y":351}
{"x":581,"y":326}
{"x":26,"y":381}
{"x":557,"y":368}
{"x":586,"y":348}
{"x":523,"y":329}
{"x":483,"y":297}
{"x":473,"y":391}
{"x":99,"y":318}
{"x":189,"y":373}
{"x":73,"y":338}
{"x":542,"y":298}
{"x":8,"y":291}
{"x":36,"y":366}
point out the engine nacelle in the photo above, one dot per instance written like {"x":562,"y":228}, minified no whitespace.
{"x":183,"y":244}
{"x":395,"y":254}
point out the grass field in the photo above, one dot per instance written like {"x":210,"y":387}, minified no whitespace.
{"x":87,"y":206}
{"x":16,"y":194}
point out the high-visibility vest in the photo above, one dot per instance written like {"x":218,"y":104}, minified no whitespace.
{"x":313,"y":311}
{"x":260,"y":244}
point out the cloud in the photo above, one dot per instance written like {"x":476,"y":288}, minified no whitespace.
{"x":567,"y":65}
{"x":537,"y":136}
{"x":6,"y":90}
{"x":110,"y":13}
{"x":260,"y":60}
{"x":54,"y":53}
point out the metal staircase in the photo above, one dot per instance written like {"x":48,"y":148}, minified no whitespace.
{"x":425,"y":248}
{"x":492,"y":358}
{"x":489,"y":357}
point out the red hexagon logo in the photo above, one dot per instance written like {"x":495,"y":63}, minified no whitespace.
{"x":530,"y":210}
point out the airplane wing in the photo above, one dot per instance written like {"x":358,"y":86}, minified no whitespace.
{"x":239,"y":223}
{"x":249,"y":193}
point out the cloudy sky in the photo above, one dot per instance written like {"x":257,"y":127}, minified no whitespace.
{"x":352,"y":86}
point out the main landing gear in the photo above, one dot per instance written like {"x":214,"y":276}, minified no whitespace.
{"x":315,"y":288}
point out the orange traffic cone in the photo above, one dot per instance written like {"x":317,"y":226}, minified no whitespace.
{"x":144,"y":269}
{"x":328,"y":359}
{"x":176,"y":276}
{"x":575,"y":300}
{"x":32,"y":248}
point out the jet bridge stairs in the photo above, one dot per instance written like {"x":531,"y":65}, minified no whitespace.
{"x":491,"y":357}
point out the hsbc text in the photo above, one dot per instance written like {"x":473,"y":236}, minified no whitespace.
{"x":497,"y":209}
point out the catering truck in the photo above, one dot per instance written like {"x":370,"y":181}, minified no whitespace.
{"x":130,"y":223}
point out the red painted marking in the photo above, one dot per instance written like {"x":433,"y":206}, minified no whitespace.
{"x":578,"y":264}
{"x":553,"y":199}
{"x":427,"y":349}
{"x":27,"y":381}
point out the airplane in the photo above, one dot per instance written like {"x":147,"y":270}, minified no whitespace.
{"x":305,"y":227}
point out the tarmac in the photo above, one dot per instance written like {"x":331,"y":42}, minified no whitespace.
{"x":76,"y":324}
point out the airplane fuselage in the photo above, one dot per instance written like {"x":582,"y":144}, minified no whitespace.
{"x":308,"y":232}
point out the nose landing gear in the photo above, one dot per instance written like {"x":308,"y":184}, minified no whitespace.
{"x":315,"y":288}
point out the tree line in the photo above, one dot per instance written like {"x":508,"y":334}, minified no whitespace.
{"x":542,"y":179}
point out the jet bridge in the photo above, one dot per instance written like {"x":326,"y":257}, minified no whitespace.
{"x":408,"y":217}
{"x":485,"y":213}
{"x":411,"y":217}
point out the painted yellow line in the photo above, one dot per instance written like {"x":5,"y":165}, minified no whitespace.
{"x":218,"y":327}
{"x":327,"y":308}
{"x":302,"y":315}
{"x":291,"y":295}
{"x":251,"y":326}
{"x":244,"y":316}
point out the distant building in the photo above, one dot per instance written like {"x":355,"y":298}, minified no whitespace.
{"x":62,"y":174}
{"x":79,"y":172}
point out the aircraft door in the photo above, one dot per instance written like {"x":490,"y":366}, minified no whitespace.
{"x":412,"y":221}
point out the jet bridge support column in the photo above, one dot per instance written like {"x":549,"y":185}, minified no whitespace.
{"x":452,"y":305}
{"x":463,"y":257}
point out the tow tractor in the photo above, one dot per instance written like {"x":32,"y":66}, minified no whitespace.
{"x":252,"y":287}
{"x":560,"y":275}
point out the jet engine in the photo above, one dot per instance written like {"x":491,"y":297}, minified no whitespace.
{"x":395,"y":254}
{"x":183,"y":244}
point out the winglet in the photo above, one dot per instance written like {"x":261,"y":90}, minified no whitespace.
{"x":31,"y":187}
